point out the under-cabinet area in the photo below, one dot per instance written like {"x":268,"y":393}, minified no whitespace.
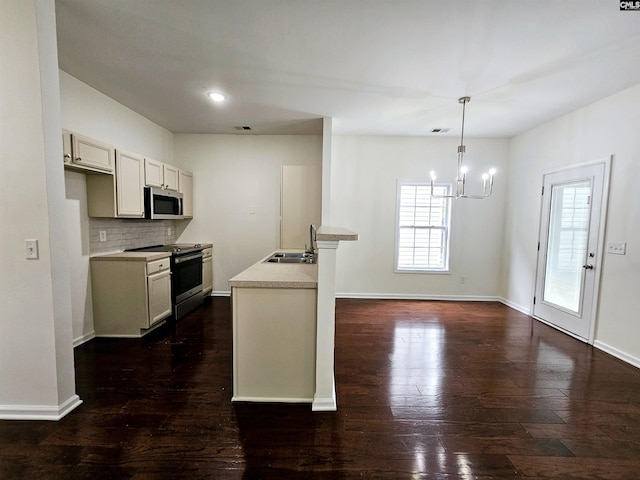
{"x":131,"y":293}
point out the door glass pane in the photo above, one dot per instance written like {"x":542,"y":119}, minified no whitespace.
{"x":567,"y":244}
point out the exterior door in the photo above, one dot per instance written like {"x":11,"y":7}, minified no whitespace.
{"x":570,"y":248}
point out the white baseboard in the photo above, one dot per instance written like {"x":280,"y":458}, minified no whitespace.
{"x":619,"y":354}
{"x":39,"y":412}
{"x":515,"y":306}
{"x":85,"y":338}
{"x":419,"y":296}
{"x":325,"y":404}
{"x":221,"y":293}
{"x":271,"y":399}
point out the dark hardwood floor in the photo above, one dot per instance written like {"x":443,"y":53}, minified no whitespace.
{"x":426,"y":390}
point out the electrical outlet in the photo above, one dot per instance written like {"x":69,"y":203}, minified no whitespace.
{"x":31,"y":249}
{"x":617,"y":248}
{"x":462,"y":279}
{"x":252,"y":210}
{"x":103,"y":236}
{"x":169,"y":231}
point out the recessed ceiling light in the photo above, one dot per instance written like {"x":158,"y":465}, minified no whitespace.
{"x":217,"y":96}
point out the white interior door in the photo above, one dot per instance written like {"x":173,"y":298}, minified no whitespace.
{"x":300,"y":204}
{"x":570,"y":248}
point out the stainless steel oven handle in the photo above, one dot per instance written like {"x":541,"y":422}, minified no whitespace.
{"x":186,"y":258}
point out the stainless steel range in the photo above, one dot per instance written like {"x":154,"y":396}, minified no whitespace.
{"x":186,"y":275}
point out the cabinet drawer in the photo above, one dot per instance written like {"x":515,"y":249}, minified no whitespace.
{"x":158,"y":265}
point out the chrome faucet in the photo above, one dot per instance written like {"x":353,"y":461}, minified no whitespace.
{"x":312,"y":240}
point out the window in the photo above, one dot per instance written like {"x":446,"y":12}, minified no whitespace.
{"x":423,"y":228}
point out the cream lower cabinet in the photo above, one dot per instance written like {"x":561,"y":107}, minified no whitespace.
{"x":207,"y":271}
{"x":274,"y":344}
{"x":130,"y":296}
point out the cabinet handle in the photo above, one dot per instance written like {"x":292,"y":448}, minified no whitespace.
{"x":66,"y":155}
{"x":78,"y":159}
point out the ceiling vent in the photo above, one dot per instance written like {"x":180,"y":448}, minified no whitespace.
{"x":243,"y":128}
{"x":440,"y":130}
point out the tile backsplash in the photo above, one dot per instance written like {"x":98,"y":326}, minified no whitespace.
{"x":122,"y":234}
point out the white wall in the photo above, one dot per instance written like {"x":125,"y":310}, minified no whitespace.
{"x":231,"y":174}
{"x":365,"y":172}
{"x":86,"y":111}
{"x":36,"y":353}
{"x":597,"y":131}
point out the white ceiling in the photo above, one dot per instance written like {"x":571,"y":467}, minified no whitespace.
{"x":377,"y":67}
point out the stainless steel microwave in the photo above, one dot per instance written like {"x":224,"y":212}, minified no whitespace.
{"x":162,"y":204}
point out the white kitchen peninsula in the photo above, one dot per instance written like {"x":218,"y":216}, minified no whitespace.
{"x":274,"y":332}
{"x":284,"y":328}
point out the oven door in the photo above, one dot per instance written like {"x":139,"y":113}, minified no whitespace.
{"x":186,"y":276}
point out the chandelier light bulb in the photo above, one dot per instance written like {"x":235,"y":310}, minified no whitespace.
{"x":485,"y":176}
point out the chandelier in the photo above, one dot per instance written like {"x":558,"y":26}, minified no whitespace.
{"x":461,"y":178}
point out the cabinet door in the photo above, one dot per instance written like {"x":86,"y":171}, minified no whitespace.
{"x":207,"y":275}
{"x":129,"y":190}
{"x":185,"y":184}
{"x":66,"y":147}
{"x":153,"y":173}
{"x":170,"y":177}
{"x":89,"y":153}
{"x":159,"y":292}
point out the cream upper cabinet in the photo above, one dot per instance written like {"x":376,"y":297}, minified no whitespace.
{"x":185,"y":186}
{"x":153,"y":173}
{"x":170,"y":177}
{"x":120,"y":195}
{"x":161,"y":175}
{"x":129,"y":191}
{"x":91,"y":154}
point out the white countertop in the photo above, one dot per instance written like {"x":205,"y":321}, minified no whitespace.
{"x":328,"y":233}
{"x":277,"y":275}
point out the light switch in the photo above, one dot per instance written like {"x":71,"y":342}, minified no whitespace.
{"x":31,"y":249}
{"x":103,"y":236}
{"x":252,"y":210}
{"x":617,"y":248}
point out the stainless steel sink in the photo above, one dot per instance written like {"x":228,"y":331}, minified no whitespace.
{"x":291,"y":257}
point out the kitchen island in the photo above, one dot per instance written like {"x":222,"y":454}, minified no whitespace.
{"x":274,"y":332}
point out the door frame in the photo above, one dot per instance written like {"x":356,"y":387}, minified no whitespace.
{"x":600,"y":252}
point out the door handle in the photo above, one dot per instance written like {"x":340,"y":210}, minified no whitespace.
{"x":588,"y":266}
